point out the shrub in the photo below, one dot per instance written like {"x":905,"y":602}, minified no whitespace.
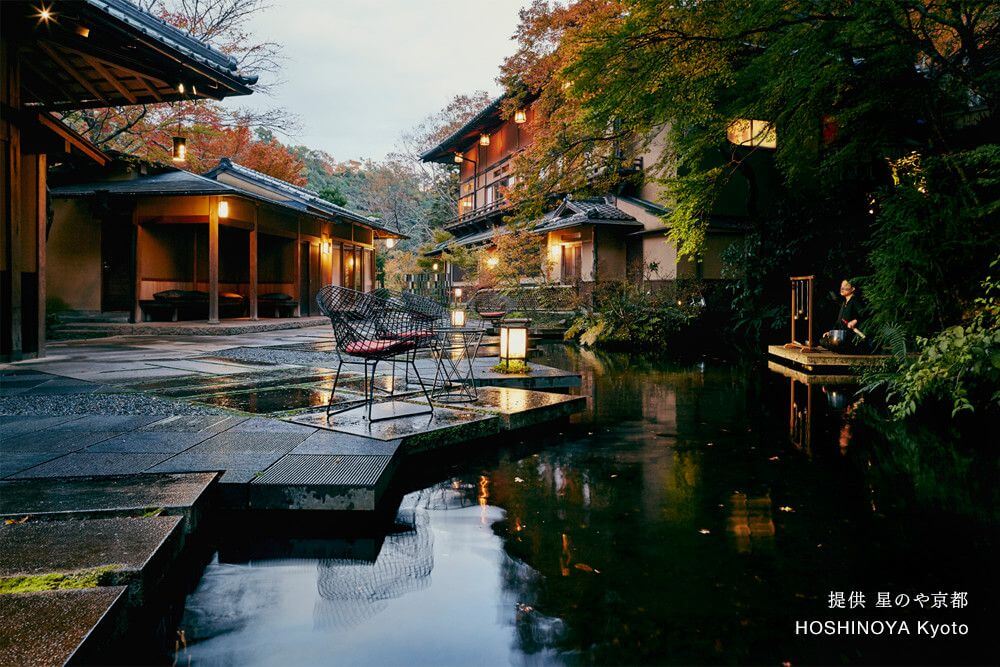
{"x":626,"y":315}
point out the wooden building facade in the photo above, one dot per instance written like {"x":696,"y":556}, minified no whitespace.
{"x":253,"y":244}
{"x":59,"y":56}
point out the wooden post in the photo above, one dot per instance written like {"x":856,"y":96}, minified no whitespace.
{"x":140,"y":241}
{"x":298,"y":267}
{"x":11,"y":97}
{"x":213,"y":260}
{"x":41,"y":165}
{"x":253,"y":263}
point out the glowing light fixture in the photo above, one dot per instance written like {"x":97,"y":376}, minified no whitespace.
{"x":83,"y":31}
{"x":755,"y":133}
{"x":327,"y":247}
{"x":179,"y":151}
{"x":223,"y":208}
{"x":492,"y":261}
{"x":520,"y":116}
{"x":44,"y":14}
{"x":435,"y":266}
{"x":513,"y":341}
{"x":180,"y":88}
{"x":458,"y":317}
{"x":458,"y":158}
{"x":390,"y":243}
{"x":484,"y":139}
{"x":458,"y":293}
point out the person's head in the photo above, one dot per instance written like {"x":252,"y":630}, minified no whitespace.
{"x":846,"y":288}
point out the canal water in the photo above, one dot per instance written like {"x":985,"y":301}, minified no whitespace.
{"x":697,"y":513}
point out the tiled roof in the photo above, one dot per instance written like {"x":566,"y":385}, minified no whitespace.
{"x":172,"y":37}
{"x":177,"y":182}
{"x":590,"y":211}
{"x":460,"y":138}
{"x":293,"y":195}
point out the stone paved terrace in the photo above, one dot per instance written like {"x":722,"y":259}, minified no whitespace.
{"x":251,"y":407}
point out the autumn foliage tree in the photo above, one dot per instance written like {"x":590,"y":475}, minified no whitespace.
{"x":213,"y":130}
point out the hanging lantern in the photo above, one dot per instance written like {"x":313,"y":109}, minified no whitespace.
{"x":223,"y":208}
{"x":458,"y":317}
{"x":513,"y":341}
{"x":458,"y":158}
{"x":179,"y":152}
{"x":435,"y":266}
{"x":484,"y":139}
{"x":520,"y":116}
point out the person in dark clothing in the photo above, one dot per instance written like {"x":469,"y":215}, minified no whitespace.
{"x":851,"y":310}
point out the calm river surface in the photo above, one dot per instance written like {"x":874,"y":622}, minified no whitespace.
{"x":692,"y":515}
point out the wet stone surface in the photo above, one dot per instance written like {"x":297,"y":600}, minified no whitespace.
{"x":126,"y":544}
{"x":333,"y":442}
{"x":444,"y":426}
{"x":86,"y":464}
{"x":278,"y":399}
{"x":70,"y":616}
{"x":136,"y":493}
{"x":168,"y":442}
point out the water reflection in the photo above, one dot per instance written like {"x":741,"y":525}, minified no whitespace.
{"x":690,"y":515}
{"x":352,"y":591}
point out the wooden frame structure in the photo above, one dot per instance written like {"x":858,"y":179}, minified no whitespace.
{"x":802,"y":311}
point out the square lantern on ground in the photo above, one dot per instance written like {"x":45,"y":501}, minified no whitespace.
{"x":458,"y":317}
{"x":513,"y":341}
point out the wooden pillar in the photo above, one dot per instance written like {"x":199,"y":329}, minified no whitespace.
{"x":213,"y":260}
{"x":10,"y":96}
{"x":253,"y":262}
{"x":41,"y":229}
{"x":298,"y":267}
{"x":140,"y":241}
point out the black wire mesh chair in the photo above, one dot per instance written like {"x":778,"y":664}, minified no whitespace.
{"x":491,"y":305}
{"x":369,"y":329}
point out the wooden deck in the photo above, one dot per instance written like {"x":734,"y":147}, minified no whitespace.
{"x":822,"y":359}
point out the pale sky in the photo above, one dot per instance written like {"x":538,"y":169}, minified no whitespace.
{"x":360,"y":72}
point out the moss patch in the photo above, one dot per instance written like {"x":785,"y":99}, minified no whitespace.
{"x":89,"y":578}
{"x":515,"y":367}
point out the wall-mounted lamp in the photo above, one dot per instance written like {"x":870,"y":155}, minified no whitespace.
{"x":435,"y":266}
{"x":484,"y":139}
{"x":327,"y":247}
{"x":458,"y":158}
{"x":179,"y":151}
{"x":520,"y":116}
{"x":492,"y":261}
{"x":390,"y":243}
{"x":458,"y":293}
{"x":223,"y":208}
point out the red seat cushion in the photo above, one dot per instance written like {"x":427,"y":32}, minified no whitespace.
{"x":498,"y":313}
{"x":364,"y":348}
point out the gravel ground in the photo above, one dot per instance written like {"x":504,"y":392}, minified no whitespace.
{"x":97,"y":403}
{"x":266,"y":355}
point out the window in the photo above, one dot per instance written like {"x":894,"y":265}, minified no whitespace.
{"x":756,"y":133}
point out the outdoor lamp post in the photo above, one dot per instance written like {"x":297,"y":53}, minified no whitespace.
{"x":513,"y":341}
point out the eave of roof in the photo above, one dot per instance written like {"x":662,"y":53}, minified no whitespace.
{"x":461,"y":138}
{"x":296,"y":196}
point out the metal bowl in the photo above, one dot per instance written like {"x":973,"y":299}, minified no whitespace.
{"x":834,"y":338}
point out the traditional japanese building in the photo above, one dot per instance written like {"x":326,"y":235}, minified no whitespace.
{"x":618,"y":236}
{"x":135,"y":241}
{"x":58,"y":56}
